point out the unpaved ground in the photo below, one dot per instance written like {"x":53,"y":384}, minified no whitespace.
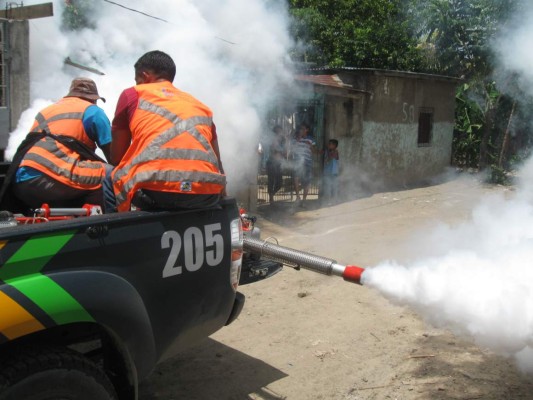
{"x":306,"y":336}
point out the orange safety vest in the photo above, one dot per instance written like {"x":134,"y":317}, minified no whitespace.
{"x":171,"y":147}
{"x":56,"y":160}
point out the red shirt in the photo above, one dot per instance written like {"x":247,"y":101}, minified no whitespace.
{"x":126,"y":106}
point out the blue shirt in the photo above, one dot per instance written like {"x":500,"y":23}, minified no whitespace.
{"x":97,"y":127}
{"x":331,"y":168}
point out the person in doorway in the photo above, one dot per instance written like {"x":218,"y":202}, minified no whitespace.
{"x":164,"y":143}
{"x":331,"y":172}
{"x":276,"y":156}
{"x":57,"y":163}
{"x":302,"y":156}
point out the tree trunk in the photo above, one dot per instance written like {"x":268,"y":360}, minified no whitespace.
{"x":505,"y":143}
{"x":485,"y":139}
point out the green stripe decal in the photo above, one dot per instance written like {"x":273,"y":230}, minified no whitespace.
{"x":51,"y":298}
{"x":22,"y":271}
{"x":25,"y":261}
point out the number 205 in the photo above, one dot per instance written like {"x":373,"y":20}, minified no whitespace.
{"x":198,"y":246}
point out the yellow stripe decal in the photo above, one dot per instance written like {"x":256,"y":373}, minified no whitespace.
{"x":15,"y":321}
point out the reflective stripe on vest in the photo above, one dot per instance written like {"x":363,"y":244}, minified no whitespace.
{"x":43,"y":122}
{"x":74,"y":175}
{"x":208,"y":182}
{"x":180,"y":126}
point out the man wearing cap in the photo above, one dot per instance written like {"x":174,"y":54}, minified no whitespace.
{"x":58,"y":165}
{"x":164,"y":143}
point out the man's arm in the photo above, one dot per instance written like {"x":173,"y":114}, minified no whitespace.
{"x":126,"y":105}
{"x":119,"y":145}
{"x":312,"y":146}
{"x":106,"y":149}
{"x":98,"y":128}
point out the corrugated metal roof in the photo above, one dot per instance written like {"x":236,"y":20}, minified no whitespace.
{"x":319,"y":71}
{"x":324,"y":80}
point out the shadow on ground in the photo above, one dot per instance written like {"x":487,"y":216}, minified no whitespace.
{"x":211,"y":370}
{"x":286,"y":212}
{"x":465,"y":372}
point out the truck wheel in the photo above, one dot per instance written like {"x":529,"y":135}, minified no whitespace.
{"x":52,"y":373}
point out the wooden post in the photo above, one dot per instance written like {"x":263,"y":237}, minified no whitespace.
{"x":28,"y":12}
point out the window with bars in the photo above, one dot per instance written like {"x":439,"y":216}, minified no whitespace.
{"x":425,"y":126}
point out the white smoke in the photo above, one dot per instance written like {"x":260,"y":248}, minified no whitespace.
{"x":513,"y":48}
{"x":479,"y":279}
{"x":231,"y":55}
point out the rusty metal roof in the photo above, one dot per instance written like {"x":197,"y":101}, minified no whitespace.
{"x":332,"y":80}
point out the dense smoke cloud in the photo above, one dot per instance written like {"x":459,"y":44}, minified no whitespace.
{"x":513,"y":49}
{"x":478,"y":280}
{"x":232,"y":55}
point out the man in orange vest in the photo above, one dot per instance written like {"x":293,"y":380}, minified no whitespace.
{"x":164,"y":143}
{"x":58,"y":165}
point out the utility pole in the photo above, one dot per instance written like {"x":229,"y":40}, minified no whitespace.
{"x":15,"y":63}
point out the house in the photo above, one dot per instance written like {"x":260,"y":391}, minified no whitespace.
{"x":394,"y":128}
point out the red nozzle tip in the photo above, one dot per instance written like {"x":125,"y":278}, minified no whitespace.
{"x":353,"y":274}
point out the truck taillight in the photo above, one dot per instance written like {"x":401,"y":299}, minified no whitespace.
{"x":236,"y":252}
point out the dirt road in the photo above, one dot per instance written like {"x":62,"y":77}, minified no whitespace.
{"x":306,"y":336}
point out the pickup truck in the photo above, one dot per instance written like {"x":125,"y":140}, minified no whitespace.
{"x":90,"y":304}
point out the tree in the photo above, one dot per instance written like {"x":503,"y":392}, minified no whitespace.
{"x":355,"y":33}
{"x":76,"y":15}
{"x":461,"y":33}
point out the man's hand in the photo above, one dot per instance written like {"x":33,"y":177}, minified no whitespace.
{"x":120,"y":144}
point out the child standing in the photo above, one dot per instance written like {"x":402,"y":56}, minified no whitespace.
{"x":331,"y":171}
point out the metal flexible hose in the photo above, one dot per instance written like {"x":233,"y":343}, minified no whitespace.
{"x":288,"y":256}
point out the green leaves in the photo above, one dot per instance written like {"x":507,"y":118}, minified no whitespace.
{"x":355,"y":33}
{"x":78,"y":15}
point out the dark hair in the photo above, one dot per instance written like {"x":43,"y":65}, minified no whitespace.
{"x":158,"y":63}
{"x":299,"y":127}
{"x":334,"y":141}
